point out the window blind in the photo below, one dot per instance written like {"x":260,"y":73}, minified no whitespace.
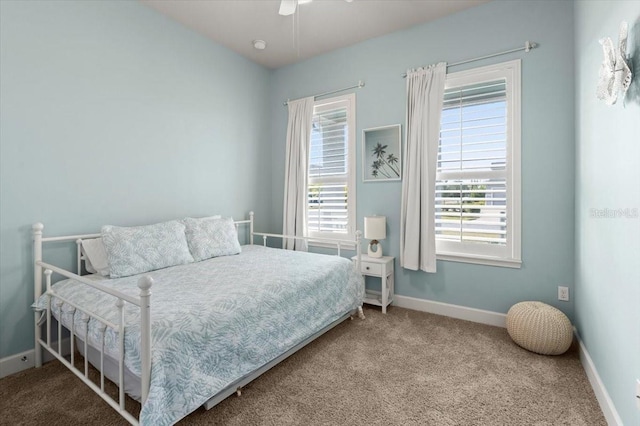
{"x":327,"y":206}
{"x":471,"y":175}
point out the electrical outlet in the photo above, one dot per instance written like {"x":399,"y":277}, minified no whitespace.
{"x":563,"y":293}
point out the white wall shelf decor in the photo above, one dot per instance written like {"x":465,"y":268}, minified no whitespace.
{"x":381,"y":154}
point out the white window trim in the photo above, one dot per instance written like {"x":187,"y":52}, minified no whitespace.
{"x":460,"y":252}
{"x":350,"y":236}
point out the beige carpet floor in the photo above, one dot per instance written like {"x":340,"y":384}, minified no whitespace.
{"x":403,"y":368}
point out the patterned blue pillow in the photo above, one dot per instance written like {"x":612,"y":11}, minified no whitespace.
{"x":211,"y":237}
{"x":139,"y":249}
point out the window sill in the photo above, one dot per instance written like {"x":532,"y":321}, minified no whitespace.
{"x":480,"y":260}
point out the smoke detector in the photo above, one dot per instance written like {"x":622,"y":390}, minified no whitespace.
{"x":259,"y":44}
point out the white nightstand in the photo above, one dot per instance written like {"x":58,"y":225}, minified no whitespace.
{"x":381,"y":267}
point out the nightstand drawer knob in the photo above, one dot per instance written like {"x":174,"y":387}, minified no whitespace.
{"x":367,"y":268}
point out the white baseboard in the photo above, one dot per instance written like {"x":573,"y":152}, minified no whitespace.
{"x":606,"y":404}
{"x":24,"y":360}
{"x":15,"y":363}
{"x":455,"y":311}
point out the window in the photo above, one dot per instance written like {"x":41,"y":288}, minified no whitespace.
{"x":477,"y":197}
{"x":331,"y":186}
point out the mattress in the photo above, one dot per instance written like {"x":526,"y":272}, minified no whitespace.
{"x":217,"y":320}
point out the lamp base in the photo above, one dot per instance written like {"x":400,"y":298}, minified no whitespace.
{"x":374,"y":249}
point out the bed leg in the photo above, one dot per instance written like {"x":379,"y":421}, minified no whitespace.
{"x":239,"y":392}
{"x":360,"y":313}
{"x":38,"y":348}
{"x":37,"y":288}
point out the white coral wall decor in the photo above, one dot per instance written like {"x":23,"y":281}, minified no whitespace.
{"x":615,"y":74}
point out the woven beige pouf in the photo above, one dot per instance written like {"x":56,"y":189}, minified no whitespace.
{"x":539,"y":328}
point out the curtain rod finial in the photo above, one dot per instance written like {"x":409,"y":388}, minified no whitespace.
{"x":528,"y":45}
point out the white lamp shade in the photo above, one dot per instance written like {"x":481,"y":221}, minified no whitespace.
{"x":375,"y":227}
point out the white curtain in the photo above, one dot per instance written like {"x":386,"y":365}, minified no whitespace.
{"x":295,"y":178}
{"x":425,"y":92}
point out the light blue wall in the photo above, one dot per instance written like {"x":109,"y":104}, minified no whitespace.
{"x":111,"y":113}
{"x":608,"y":177}
{"x":547,"y":139}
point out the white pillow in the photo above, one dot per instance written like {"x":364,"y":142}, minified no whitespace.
{"x":87,"y":264}
{"x":96,"y":257}
{"x":209,"y":237}
{"x":184,"y":221}
{"x":217,"y":216}
{"x":141,"y":249}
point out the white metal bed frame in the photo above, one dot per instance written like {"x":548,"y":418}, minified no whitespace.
{"x":144,"y":303}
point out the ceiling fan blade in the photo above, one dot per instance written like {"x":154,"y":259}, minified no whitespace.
{"x":287,"y":7}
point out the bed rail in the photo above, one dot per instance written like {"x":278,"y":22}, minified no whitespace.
{"x":338,"y":243}
{"x":246,"y":222}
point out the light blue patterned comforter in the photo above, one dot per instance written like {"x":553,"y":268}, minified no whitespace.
{"x":215,"y":321}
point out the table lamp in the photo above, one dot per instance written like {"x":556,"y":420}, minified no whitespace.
{"x":375,"y":228}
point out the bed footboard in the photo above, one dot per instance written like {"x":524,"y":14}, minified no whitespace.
{"x":339,"y":244}
{"x":143,"y":302}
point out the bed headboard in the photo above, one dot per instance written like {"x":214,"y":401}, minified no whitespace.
{"x":80,"y":255}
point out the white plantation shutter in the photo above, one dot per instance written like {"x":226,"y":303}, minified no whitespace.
{"x":331,"y":185}
{"x":477,"y":177}
{"x":471,"y":173}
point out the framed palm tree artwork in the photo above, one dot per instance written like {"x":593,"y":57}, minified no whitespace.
{"x":381,"y":156}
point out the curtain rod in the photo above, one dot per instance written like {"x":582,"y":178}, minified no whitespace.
{"x":357,"y":86}
{"x":527,"y":47}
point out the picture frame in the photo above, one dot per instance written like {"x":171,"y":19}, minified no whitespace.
{"x":381,"y":154}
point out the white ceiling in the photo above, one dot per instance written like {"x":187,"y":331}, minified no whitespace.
{"x":320,"y":26}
